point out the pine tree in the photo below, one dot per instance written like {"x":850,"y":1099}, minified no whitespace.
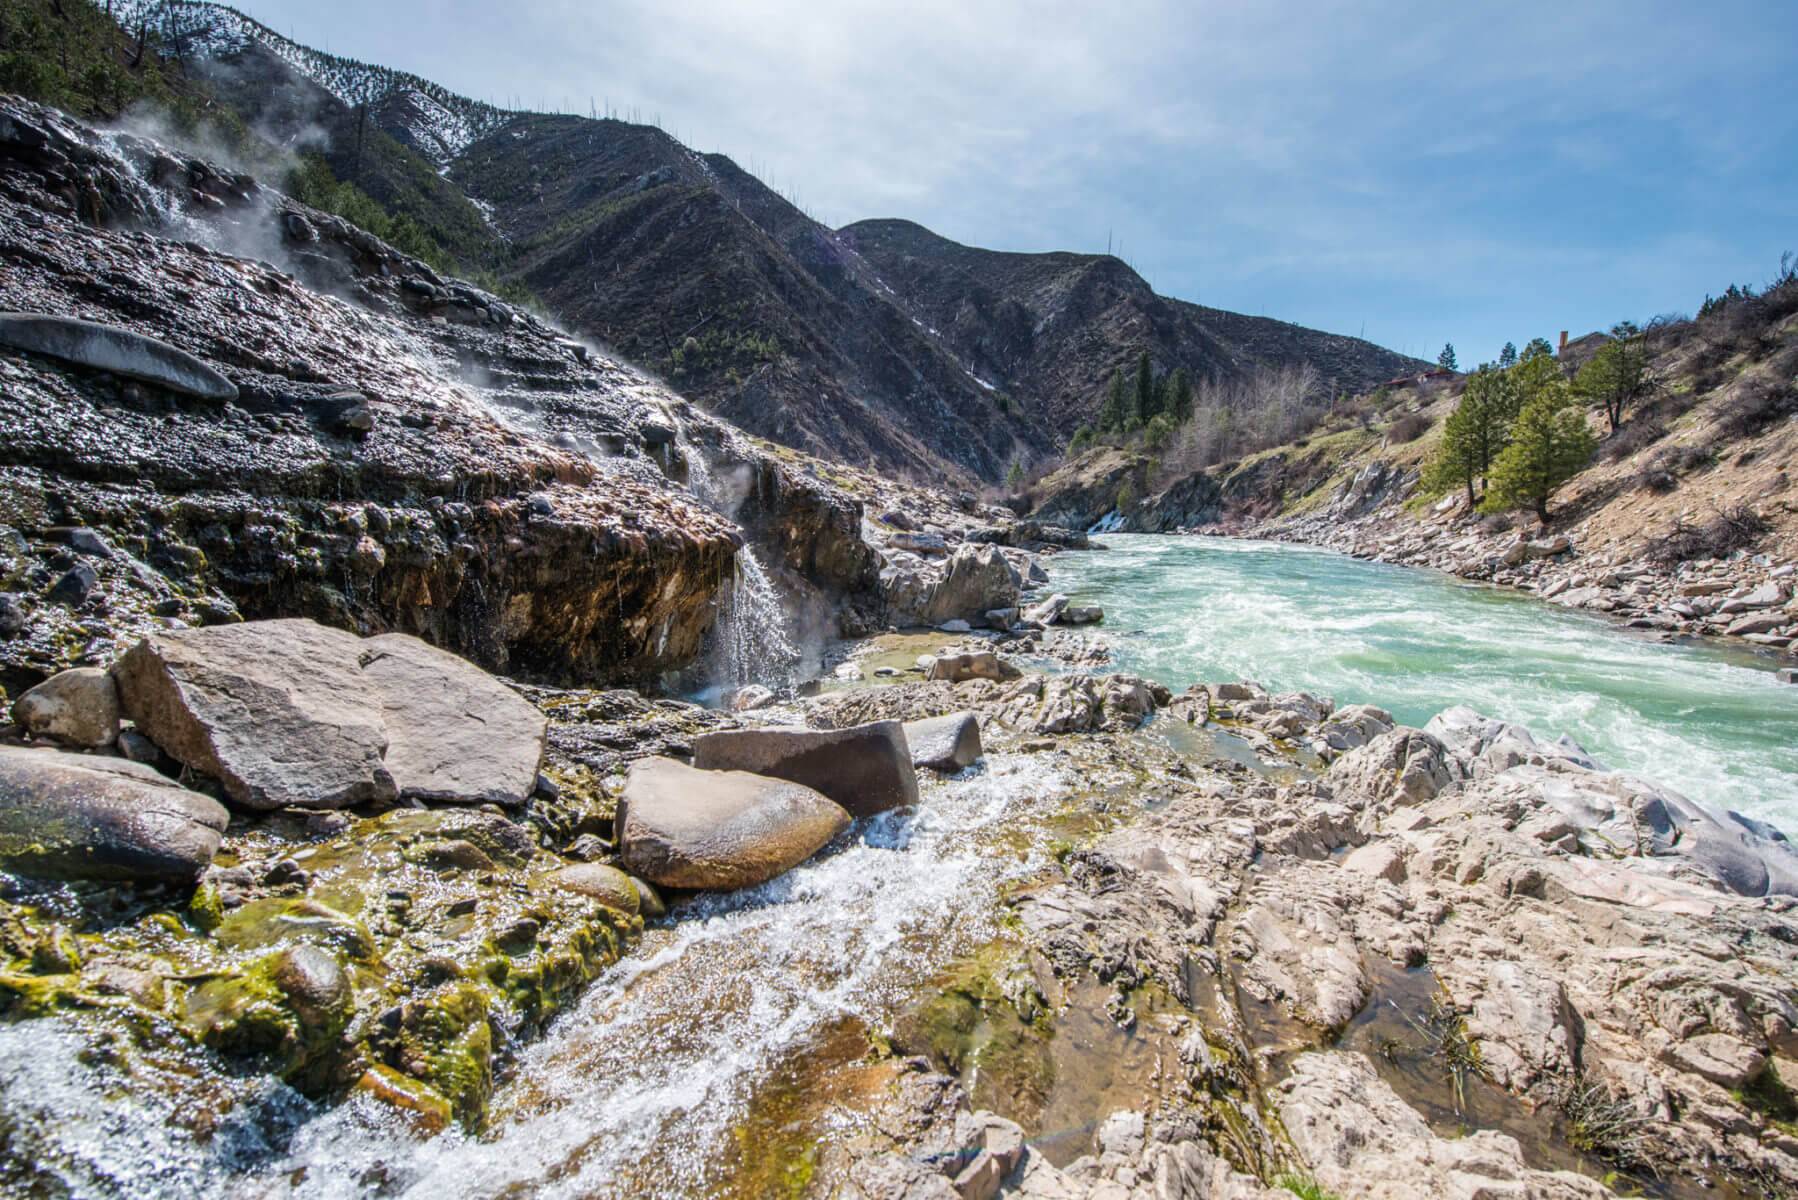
{"x":1537,"y":348}
{"x":1550,"y":444}
{"x":1507,"y":358}
{"x":1476,"y":433}
{"x":1535,"y":373}
{"x":1454,"y":463}
{"x":1112,"y":414}
{"x":1014,"y":476}
{"x":1617,"y":376}
{"x":1179,"y":396}
{"x":1446,"y":360}
{"x":1145,"y":391}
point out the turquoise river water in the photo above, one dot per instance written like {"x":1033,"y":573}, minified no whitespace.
{"x":1710,"y":721}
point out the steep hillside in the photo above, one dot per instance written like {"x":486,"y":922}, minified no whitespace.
{"x":689,"y":266}
{"x":879,"y":344}
{"x":1053,"y":327}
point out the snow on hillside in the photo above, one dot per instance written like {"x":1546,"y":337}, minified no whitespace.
{"x":440,"y":123}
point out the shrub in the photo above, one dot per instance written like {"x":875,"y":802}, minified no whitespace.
{"x":1760,"y":400}
{"x":1407,"y":428}
{"x":1637,"y":435}
{"x":1732,"y":529}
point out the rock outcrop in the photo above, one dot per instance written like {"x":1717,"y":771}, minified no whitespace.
{"x":686,"y":828}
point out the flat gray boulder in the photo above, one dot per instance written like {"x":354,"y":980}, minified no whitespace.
{"x":280,"y":712}
{"x":75,"y":816}
{"x":686,"y":828}
{"x":866,"y":769}
{"x":111,"y":348}
{"x":455,"y":734}
{"x":944,"y":744}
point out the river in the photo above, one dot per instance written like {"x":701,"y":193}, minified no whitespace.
{"x":1711,"y":721}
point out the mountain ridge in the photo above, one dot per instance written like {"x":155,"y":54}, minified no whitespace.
{"x":912,"y":354}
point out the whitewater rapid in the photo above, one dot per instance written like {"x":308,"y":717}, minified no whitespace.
{"x":1711,"y":721}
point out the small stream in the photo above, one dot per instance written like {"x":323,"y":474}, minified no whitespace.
{"x":1709,"y":720}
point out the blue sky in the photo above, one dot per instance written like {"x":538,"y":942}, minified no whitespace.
{"x":1419,"y":172}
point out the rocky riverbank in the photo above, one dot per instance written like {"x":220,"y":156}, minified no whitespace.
{"x":1284,"y":943}
{"x":1332,"y":981}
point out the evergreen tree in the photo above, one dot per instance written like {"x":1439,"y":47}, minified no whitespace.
{"x":1537,"y":348}
{"x":1145,"y":391}
{"x":1533,"y":374}
{"x":1550,"y":444}
{"x":1476,"y":433}
{"x":1617,"y":376}
{"x":1454,"y":463}
{"x":1446,"y":360}
{"x":1112,"y":414}
{"x":1179,"y":396}
{"x":1083,"y":437}
{"x":1507,"y":358}
{"x":1015,"y":476}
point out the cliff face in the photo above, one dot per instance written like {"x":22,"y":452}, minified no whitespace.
{"x":403,"y":452}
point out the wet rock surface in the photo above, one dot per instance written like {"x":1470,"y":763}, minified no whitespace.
{"x":1413,"y":945}
{"x":487,"y":488}
{"x":81,"y":817}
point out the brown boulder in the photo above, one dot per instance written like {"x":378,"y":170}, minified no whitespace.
{"x":455,"y":733}
{"x":74,"y":816}
{"x":687,"y":828}
{"x":865,"y":768}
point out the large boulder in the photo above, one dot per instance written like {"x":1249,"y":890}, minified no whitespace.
{"x":455,"y":733}
{"x":864,"y":768}
{"x":971,"y":664}
{"x":944,"y":743}
{"x":687,"y":828}
{"x":978,"y":580}
{"x":72,"y":816}
{"x":278,"y":711}
{"x":79,"y":707}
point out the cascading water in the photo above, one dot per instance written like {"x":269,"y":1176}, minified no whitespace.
{"x":751,"y":642}
{"x":638,"y":1091}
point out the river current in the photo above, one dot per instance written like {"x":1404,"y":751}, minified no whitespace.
{"x":1711,"y":721}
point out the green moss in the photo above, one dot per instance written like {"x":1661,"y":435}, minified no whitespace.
{"x":282,"y":920}
{"x":1303,"y":1186}
{"x":205,"y":911}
